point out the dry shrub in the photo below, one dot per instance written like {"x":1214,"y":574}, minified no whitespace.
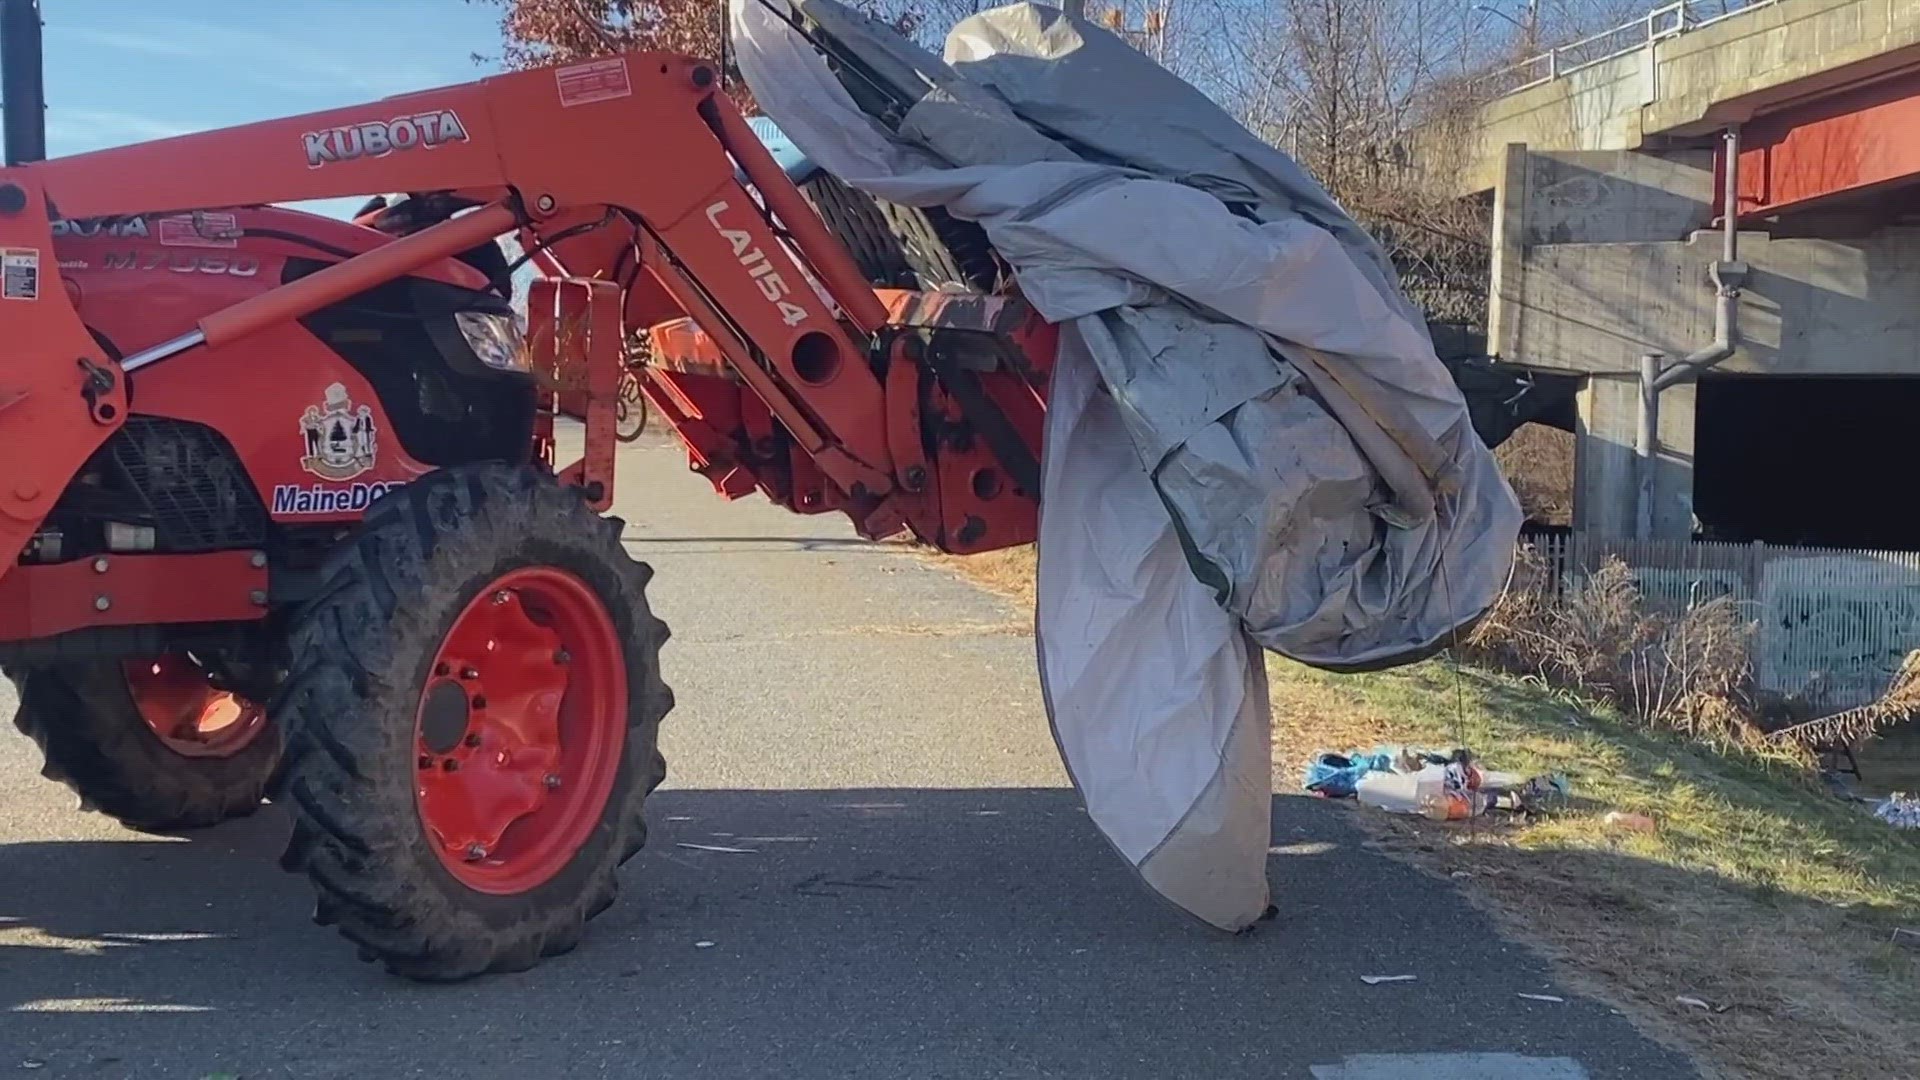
{"x":1795,"y":723}
{"x":1538,"y":462}
{"x":1688,"y":671}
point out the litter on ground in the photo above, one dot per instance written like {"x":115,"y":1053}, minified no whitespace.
{"x":1444,"y":785}
{"x":1630,"y":822}
{"x":1900,"y":810}
{"x":1376,"y":980}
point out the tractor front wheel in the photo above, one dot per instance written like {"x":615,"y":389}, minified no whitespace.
{"x":474,"y":711}
{"x":151,"y":742}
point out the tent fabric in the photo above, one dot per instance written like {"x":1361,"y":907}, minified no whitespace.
{"x":1250,"y":442}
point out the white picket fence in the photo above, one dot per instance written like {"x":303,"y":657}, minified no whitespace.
{"x":1833,"y":624}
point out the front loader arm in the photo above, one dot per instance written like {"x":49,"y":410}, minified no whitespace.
{"x":59,"y":396}
{"x":641,"y":143}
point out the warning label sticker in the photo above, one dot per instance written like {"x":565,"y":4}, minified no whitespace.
{"x":601,"y":80}
{"x":20,"y":273}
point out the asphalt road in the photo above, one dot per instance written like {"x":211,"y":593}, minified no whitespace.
{"x":921,"y":894}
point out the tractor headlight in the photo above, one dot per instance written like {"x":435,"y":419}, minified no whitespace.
{"x":495,"y":337}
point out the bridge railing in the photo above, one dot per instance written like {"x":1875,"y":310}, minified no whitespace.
{"x":1665,"y":21}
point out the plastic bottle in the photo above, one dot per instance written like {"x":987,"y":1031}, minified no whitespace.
{"x":1431,"y":797}
{"x":1437,"y":800}
{"x":1396,"y":793}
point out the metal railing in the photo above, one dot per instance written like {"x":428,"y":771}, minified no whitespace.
{"x":1659,"y":24}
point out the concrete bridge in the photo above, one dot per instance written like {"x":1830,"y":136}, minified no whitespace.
{"x":1606,"y":165}
{"x":1687,"y":70}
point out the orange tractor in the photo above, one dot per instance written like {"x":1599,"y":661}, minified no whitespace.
{"x":280,"y":511}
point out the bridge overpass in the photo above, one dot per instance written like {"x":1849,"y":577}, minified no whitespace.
{"x":1686,"y":70}
{"x":1606,"y":164}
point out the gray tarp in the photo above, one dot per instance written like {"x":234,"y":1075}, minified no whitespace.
{"x":1250,"y":442}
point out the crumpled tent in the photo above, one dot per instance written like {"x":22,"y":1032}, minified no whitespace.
{"x":1250,"y":443}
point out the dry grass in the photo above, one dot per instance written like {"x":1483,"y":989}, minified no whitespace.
{"x":1899,"y":704}
{"x":1759,"y":894}
{"x":1538,"y":461}
{"x":1688,"y":671}
{"x":1008,"y":571}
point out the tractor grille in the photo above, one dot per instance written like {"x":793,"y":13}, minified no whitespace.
{"x":189,"y":482}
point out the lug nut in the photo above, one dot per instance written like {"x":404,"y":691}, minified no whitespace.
{"x":449,"y":765}
{"x":469,"y":673}
{"x":442,"y":670}
{"x":552,"y":780}
{"x":426,"y":761}
{"x":563,"y":657}
{"x":476,"y":852}
{"x":100,"y":565}
{"x":502,"y":596}
{"x":473,"y":740}
{"x":479,"y":701}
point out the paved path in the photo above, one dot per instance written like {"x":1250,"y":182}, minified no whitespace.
{"x":924,"y":897}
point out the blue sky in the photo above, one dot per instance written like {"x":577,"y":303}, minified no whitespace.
{"x":121,"y":71}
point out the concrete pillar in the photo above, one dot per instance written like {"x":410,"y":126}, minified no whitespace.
{"x":1507,"y":274}
{"x":1604,"y":479}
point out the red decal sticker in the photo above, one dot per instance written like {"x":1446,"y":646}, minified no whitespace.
{"x":601,"y":80}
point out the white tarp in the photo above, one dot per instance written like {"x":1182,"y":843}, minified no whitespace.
{"x":1250,"y":443}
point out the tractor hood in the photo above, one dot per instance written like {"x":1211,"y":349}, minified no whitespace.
{"x":1250,"y":441}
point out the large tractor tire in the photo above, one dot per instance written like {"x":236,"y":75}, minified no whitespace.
{"x":151,"y":743}
{"x":904,"y":247}
{"x":474,"y":708}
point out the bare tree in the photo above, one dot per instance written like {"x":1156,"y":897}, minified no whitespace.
{"x":1341,"y":84}
{"x":555,"y":31}
{"x":1338,"y":84}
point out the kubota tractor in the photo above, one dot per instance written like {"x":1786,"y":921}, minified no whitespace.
{"x":280,"y":511}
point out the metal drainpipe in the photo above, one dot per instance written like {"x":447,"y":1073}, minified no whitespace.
{"x":1728,"y":274}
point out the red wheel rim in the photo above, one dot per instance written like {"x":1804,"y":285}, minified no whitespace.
{"x":186,"y":712}
{"x":520,"y":730}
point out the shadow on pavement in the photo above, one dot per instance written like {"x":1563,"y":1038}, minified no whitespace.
{"x":893,"y":932}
